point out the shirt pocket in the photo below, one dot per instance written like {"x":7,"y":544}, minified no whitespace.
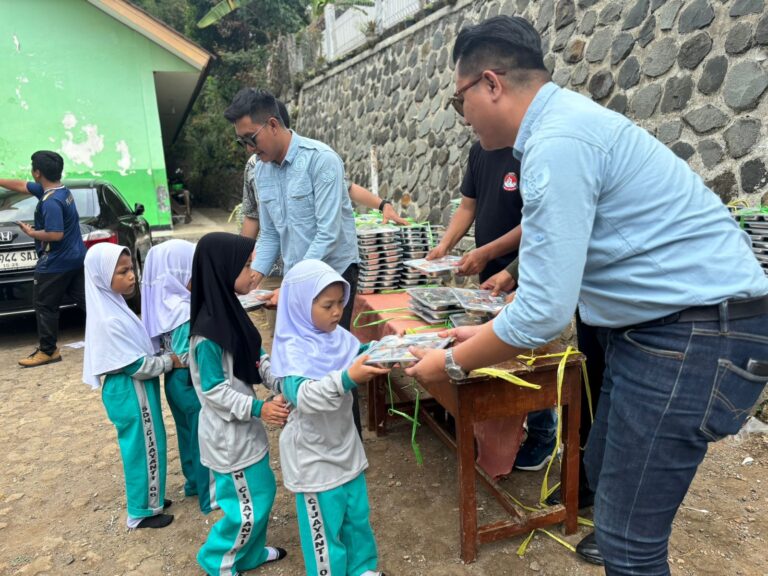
{"x":270,"y":201}
{"x":301,"y":203}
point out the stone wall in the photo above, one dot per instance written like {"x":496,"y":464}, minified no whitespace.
{"x":692,"y":72}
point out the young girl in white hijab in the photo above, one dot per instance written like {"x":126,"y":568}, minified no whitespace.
{"x":118,"y":349}
{"x":225,"y":353}
{"x":317,"y":363}
{"x":165,"y":295}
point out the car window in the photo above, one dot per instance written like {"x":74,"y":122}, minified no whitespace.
{"x":116,"y":202}
{"x":15,"y":206}
{"x":86,"y":201}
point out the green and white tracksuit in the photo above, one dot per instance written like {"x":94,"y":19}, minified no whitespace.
{"x":185,"y":407}
{"x":323,"y":463}
{"x":131,"y":397}
{"x":233,"y":443}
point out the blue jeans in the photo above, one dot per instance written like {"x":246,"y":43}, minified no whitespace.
{"x":542,"y":426}
{"x":670,"y":388}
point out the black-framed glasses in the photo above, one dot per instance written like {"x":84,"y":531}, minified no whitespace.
{"x":250,"y":139}
{"x":457,"y":100}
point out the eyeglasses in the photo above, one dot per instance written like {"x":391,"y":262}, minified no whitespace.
{"x":250,"y":139}
{"x":457,"y":100}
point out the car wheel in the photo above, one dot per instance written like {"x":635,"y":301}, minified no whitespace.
{"x":134,"y":301}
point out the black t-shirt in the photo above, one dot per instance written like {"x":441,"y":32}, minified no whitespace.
{"x":492,"y":180}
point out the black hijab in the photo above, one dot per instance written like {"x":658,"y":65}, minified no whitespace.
{"x":215,"y":311}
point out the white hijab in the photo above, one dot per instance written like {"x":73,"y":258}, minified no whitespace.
{"x":164,"y":294}
{"x":114,"y":335}
{"x":300,"y":349}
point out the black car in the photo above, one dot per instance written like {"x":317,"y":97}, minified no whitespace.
{"x":104,"y":217}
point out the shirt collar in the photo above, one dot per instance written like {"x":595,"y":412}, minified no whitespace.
{"x":293,"y":148}
{"x":535,"y":109}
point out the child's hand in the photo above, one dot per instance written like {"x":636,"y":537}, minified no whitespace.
{"x":177,"y":362}
{"x":362,"y":373}
{"x":280,"y":401}
{"x":275,"y":413}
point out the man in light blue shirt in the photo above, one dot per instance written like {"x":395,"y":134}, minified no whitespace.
{"x":616,"y":224}
{"x":304,"y":206}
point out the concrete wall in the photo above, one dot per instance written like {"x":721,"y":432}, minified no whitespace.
{"x":692,"y":72}
{"x":77,"y":81}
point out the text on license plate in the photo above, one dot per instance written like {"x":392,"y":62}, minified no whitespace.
{"x":18,"y":260}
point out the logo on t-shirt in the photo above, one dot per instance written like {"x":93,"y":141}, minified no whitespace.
{"x":510,"y":182}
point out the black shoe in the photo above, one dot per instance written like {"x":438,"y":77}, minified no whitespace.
{"x":587,"y":549}
{"x":534,"y":455}
{"x":157,"y":521}
{"x":281,"y":553}
{"x":586,"y":498}
{"x":167,"y":503}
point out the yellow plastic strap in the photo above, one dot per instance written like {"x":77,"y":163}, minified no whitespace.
{"x":559,"y":540}
{"x":443,"y":326}
{"x":545,"y":490}
{"x":524,"y":546}
{"x":504,"y":375}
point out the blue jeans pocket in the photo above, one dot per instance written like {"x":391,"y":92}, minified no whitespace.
{"x":653,"y":341}
{"x":733,"y":396}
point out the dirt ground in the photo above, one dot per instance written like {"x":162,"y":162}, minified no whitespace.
{"x":62,"y":504}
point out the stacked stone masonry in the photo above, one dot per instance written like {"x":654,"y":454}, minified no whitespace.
{"x":691,"y":72}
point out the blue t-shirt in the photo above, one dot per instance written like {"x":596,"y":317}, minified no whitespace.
{"x":56,"y":212}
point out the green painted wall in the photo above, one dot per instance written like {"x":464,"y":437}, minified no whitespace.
{"x":75,"y":80}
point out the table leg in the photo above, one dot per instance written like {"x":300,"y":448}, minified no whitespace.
{"x":569,"y":473}
{"x":465,"y":446}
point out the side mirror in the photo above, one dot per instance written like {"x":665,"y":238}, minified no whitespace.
{"x":138,"y":209}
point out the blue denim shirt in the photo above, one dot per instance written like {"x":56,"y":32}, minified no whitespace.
{"x":304,"y":208}
{"x":615,"y":223}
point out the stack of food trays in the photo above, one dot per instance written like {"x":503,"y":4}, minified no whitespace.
{"x":393,"y":349}
{"x":381,"y":258}
{"x":756,"y":225}
{"x":416,"y":243}
{"x":480,"y":302}
{"x":433,"y":305}
{"x":467,"y":319}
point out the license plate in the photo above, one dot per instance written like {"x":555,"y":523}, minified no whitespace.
{"x":18,"y":260}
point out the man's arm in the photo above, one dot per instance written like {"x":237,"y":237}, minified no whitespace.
{"x":457,"y":228}
{"x":365,"y":197}
{"x":328,"y":183}
{"x":560,"y":190}
{"x":267,"y":246}
{"x":476,"y":260}
{"x":40,"y":235}
{"x":250,"y":227}
{"x":14,"y":185}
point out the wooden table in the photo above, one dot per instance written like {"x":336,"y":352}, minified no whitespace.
{"x":481,"y":398}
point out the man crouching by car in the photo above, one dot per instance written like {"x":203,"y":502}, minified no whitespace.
{"x":60,"y":251}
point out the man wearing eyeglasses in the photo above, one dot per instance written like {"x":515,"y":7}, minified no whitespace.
{"x":617,"y":224}
{"x":358,"y":194}
{"x":304,"y":206}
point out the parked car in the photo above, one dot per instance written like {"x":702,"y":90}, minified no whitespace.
{"x":104,"y":217}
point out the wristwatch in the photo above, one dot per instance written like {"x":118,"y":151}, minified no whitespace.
{"x":453,"y":370}
{"x":383,"y":203}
